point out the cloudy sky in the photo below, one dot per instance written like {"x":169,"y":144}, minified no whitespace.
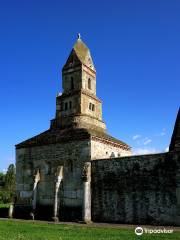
{"x":135,"y":48}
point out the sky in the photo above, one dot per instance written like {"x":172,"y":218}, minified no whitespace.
{"x":135,"y":49}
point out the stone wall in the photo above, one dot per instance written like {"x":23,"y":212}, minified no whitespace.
{"x":47,"y":158}
{"x":137,"y":189}
{"x":101,"y":150}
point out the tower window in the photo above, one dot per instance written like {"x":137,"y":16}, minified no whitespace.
{"x":66,"y":106}
{"x":89,"y":83}
{"x":72,"y":83}
{"x":70,"y":105}
{"x":93,"y":107}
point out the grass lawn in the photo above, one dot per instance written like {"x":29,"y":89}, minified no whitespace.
{"x":24,"y":230}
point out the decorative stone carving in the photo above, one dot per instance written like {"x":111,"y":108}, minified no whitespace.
{"x":86,"y":175}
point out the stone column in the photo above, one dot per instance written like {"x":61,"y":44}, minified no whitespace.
{"x":10,"y":212}
{"x":58,"y":180}
{"x":87,"y":192}
{"x":34,"y":201}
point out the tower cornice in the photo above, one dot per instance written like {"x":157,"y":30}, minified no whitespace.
{"x":76,"y":92}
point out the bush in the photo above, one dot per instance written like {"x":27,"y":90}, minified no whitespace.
{"x":6,"y":196}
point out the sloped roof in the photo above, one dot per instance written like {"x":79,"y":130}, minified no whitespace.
{"x":53,"y":136}
{"x":175,"y":140}
{"x":83,"y":54}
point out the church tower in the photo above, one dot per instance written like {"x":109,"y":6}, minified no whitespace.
{"x":53,"y":168}
{"x":78,"y":105}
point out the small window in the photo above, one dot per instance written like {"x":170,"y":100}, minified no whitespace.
{"x":66,"y":106}
{"x":70,"y":105}
{"x":62,"y":106}
{"x":93,"y":107}
{"x":72,"y":83}
{"x":90,"y":106}
{"x":89,"y":83}
{"x":119,"y":154}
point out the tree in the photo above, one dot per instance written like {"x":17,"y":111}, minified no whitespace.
{"x":2,"y":176}
{"x":2,"y":179}
{"x":10,"y":178}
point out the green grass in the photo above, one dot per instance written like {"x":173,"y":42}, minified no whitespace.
{"x":4,"y":205}
{"x":24,"y":230}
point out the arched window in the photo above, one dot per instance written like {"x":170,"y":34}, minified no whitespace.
{"x":89,"y":83}
{"x":93,"y":107}
{"x":112,"y":155}
{"x":90,"y":106}
{"x":72,"y":83}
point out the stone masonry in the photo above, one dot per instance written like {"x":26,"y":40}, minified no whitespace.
{"x":137,"y":189}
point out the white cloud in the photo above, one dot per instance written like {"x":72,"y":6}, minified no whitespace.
{"x":167,"y":149}
{"x":147,"y":141}
{"x":162,"y":133}
{"x":136,"y":137}
{"x":142,"y":151}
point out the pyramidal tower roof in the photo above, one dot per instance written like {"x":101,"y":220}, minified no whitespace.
{"x":175,"y":140}
{"x":82,"y":52}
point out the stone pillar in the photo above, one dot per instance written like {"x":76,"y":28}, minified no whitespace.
{"x":10,"y":213}
{"x":34,"y":201}
{"x":58,"y":180}
{"x":87,"y":192}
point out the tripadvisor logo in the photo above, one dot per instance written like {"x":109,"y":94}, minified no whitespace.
{"x":139,"y":230}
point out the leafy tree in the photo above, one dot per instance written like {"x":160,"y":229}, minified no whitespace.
{"x":10,"y":178}
{"x":2,"y":177}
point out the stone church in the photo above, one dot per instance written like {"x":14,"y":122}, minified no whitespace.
{"x":76,"y":171}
